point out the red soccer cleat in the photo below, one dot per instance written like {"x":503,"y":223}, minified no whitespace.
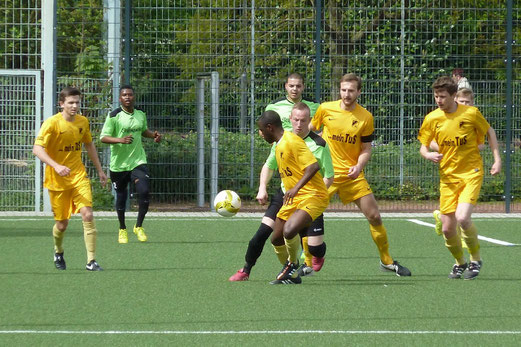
{"x":239,"y":276}
{"x":317,"y":263}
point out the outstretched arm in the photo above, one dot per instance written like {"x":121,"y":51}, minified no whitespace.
{"x":265,"y":177}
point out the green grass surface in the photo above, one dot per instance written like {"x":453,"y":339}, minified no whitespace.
{"x":176,"y":285}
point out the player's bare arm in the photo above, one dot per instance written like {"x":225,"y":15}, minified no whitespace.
{"x":328,"y":181}
{"x":109,"y":139}
{"x":492,"y":142}
{"x":265,"y":177}
{"x":363,"y":159}
{"x":152,"y":135}
{"x":435,"y":157}
{"x":93,"y":155}
{"x":309,"y":172}
{"x":41,"y":153}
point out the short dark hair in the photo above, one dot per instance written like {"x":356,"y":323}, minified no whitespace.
{"x":458,"y":72}
{"x":68,"y":91}
{"x":126,"y":86}
{"x":295,"y":75}
{"x":351,"y":77}
{"x":270,"y":117}
{"x":445,"y":83}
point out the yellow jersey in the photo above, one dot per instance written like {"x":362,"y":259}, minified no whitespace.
{"x":457,"y":134}
{"x":293,"y":156}
{"x":344,"y":132}
{"x":62,"y":141}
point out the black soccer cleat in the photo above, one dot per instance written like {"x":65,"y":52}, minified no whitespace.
{"x":288,"y":275}
{"x":93,"y":266}
{"x":457,"y":271}
{"x":395,"y":267}
{"x":472,"y":270}
{"x":59,"y":261}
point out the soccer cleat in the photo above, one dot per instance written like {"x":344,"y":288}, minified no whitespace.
{"x":457,"y":271}
{"x":93,"y":266}
{"x":59,"y":261}
{"x":288,"y":275}
{"x":123,"y":236}
{"x":472,"y":270}
{"x":305,"y":270}
{"x":239,"y":276}
{"x":291,"y":280}
{"x":289,"y":270}
{"x":396,"y":268}
{"x":318,"y":263}
{"x":140,"y":232}
{"x":437,"y":217}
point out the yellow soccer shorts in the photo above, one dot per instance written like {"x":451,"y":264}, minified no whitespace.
{"x":465,"y":191}
{"x":314,"y":205}
{"x":66,"y":202}
{"x":349,"y":189}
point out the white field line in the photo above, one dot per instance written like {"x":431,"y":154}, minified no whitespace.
{"x":484,"y":238}
{"x":265,"y":332}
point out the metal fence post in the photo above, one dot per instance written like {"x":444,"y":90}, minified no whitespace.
{"x":200,"y":141}
{"x":214,"y":134}
{"x":509,"y":108}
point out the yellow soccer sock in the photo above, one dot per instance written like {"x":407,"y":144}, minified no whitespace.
{"x":379,"y":234}
{"x":470,"y":236}
{"x":454,"y":246}
{"x":282,"y":253}
{"x":89,"y":234}
{"x":305,"y":248}
{"x":58,"y":239}
{"x":463,"y":243}
{"x":293,"y":246}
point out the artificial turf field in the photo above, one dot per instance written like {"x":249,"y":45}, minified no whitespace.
{"x":174,"y":289}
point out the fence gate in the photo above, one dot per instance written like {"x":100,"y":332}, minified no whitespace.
{"x":20,"y":119}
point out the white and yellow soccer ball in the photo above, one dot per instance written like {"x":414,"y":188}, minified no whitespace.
{"x":227,"y":203}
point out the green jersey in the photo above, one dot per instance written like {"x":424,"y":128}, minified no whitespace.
{"x":119,"y":123}
{"x":283,"y":107}
{"x":320,"y":150}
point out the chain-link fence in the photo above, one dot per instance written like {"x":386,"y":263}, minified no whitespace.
{"x":398,"y":47}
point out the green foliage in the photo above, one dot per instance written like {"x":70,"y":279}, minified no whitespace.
{"x":103,"y":200}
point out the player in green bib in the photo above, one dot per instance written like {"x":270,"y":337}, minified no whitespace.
{"x":123,"y":130}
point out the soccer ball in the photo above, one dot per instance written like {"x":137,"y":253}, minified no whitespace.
{"x":227,"y":203}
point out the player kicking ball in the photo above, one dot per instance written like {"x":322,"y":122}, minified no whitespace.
{"x":305,"y":198}
{"x":456,"y":129}
{"x":59,"y":144}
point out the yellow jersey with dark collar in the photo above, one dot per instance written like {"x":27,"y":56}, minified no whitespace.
{"x":344,"y":132}
{"x":457,"y":134}
{"x":62,"y":141}
{"x":293,"y":156}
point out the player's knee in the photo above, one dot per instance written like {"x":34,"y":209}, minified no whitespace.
{"x":87,"y":215}
{"x":374,"y":218}
{"x":318,"y":251}
{"x":61,"y":225}
{"x":143,"y":189}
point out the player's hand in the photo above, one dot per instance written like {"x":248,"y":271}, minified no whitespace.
{"x":102,"y":179}
{"x":157,"y":137}
{"x":496,"y":168}
{"x":62,"y":170}
{"x":127,"y":139}
{"x":354,"y":172}
{"x":290,"y":194}
{"x":262,"y":197}
{"x":435,"y":157}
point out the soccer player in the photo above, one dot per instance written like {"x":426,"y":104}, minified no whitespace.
{"x":123,"y":130}
{"x":464,"y":96}
{"x":460,"y":80}
{"x":348,"y":129}
{"x":456,"y":129}
{"x":58,"y":145}
{"x":294,"y":87}
{"x":305,"y":198}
